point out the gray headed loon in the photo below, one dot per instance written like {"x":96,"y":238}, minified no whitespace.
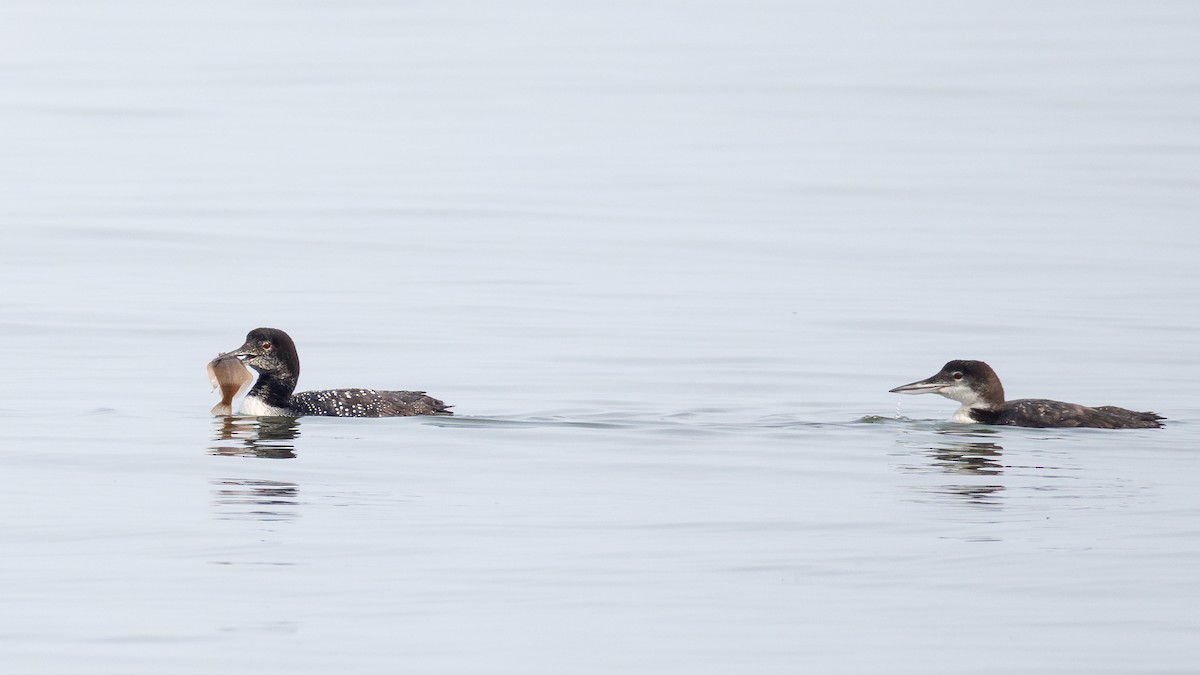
{"x":975,"y":385}
{"x":272,"y":353}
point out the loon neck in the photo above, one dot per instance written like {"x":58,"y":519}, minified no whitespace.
{"x":273,"y":389}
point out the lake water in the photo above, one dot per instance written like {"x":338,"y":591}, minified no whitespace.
{"x":666,"y":259}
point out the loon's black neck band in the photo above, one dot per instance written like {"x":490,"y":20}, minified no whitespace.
{"x":272,"y":390}
{"x":984,"y":415}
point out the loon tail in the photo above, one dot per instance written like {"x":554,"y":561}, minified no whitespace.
{"x":1148,"y":420}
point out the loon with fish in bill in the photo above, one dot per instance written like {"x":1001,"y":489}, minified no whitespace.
{"x":977,"y":387}
{"x":272,"y":353}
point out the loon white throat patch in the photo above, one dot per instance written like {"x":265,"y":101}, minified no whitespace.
{"x":253,"y":405}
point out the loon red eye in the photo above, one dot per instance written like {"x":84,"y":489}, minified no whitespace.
{"x":266,"y":346}
{"x":957,"y":376}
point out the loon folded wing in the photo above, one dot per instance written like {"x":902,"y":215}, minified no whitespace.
{"x":398,"y":403}
{"x":1147,"y":420}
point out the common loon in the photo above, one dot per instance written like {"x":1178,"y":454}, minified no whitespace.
{"x":272,"y":353}
{"x":975,"y":385}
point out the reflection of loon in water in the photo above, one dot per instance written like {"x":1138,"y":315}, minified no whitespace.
{"x":265,"y":437}
{"x":272,"y":353}
{"x":977,"y":459}
{"x":256,"y":499}
{"x":975,"y":385}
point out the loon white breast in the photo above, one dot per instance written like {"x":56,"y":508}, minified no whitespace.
{"x":272,"y":353}
{"x":977,"y":387}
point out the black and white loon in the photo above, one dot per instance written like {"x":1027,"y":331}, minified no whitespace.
{"x":975,"y":385}
{"x":272,"y":353}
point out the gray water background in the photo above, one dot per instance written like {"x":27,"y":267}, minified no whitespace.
{"x":666,"y":259}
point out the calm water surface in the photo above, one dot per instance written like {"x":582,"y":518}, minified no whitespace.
{"x":666,"y":259}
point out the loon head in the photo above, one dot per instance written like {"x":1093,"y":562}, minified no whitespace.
{"x":972,"y":383}
{"x":271,"y":352}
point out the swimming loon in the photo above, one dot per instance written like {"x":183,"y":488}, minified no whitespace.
{"x":975,"y":385}
{"x":272,"y":353}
